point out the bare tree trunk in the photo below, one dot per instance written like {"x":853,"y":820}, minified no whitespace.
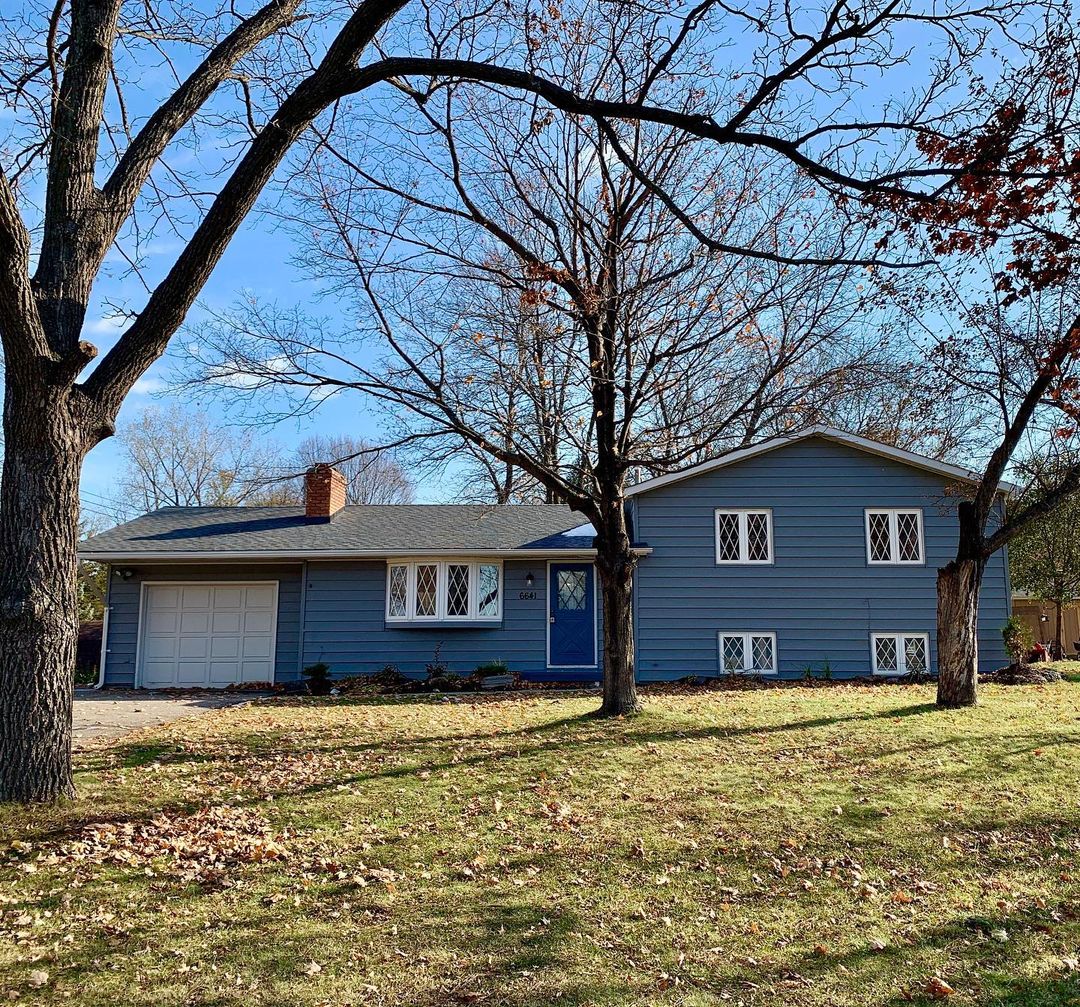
{"x":39,"y":510}
{"x":958,"y":588}
{"x":615,"y":566}
{"x":1059,"y":630}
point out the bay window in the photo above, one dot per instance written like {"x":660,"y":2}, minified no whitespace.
{"x":436,"y":591}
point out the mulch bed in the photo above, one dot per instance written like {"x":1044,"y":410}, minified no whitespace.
{"x":1022,"y":674}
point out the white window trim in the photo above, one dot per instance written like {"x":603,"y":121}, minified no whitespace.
{"x":894,"y":537}
{"x":747,"y":651}
{"x":899,"y":636}
{"x":441,"y":582}
{"x":744,"y":544}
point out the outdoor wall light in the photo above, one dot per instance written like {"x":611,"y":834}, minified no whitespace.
{"x":1044,"y":618}
{"x":122,"y":574}
{"x":529,"y":579}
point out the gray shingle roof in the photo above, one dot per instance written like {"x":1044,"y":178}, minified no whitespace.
{"x":364,"y":530}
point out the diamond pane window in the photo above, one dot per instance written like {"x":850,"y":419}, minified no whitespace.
{"x":880,"y":537}
{"x":488,"y":591}
{"x":398,"y":605}
{"x":457,"y":590}
{"x":757,"y":537}
{"x":763,"y":653}
{"x":915,"y":659}
{"x":907,"y":536}
{"x":748,"y":653}
{"x":427,"y":590}
{"x":743,"y":536}
{"x":572,"y":590}
{"x":894,"y":536}
{"x":886,"y":656}
{"x":727,"y":537}
{"x":901,"y":653}
{"x":733,"y":653}
{"x":431,"y":590}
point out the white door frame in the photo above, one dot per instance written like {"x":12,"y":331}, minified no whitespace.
{"x":143,"y":585}
{"x":547,"y":614}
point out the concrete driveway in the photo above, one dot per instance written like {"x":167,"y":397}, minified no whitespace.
{"x":112,"y":713}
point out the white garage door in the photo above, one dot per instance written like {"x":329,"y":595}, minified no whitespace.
{"x":207,"y":635}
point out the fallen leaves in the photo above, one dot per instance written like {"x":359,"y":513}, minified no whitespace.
{"x":191,"y":847}
{"x":937,"y":989}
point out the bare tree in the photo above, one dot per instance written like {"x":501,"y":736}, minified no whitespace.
{"x":255,"y":80}
{"x":371,"y":476}
{"x":178,"y":458}
{"x":642,"y":349}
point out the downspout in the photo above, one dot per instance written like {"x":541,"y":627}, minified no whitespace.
{"x":104,"y":629}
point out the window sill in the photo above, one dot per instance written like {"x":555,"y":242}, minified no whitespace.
{"x":443,"y":624}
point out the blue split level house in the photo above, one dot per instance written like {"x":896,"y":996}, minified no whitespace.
{"x":818,"y":549}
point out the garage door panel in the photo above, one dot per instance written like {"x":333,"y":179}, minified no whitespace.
{"x":193,"y":648}
{"x":194,"y":622}
{"x":159,"y":648}
{"x":256,"y":671}
{"x":256,"y":647}
{"x":157,"y":674}
{"x":190,"y":673}
{"x":162,"y":621}
{"x":164,"y":597}
{"x":228,"y":597}
{"x":203,"y":635}
{"x":260,"y":596}
{"x":227,"y":622}
{"x":258,"y":622}
{"x":224,"y":672}
{"x":225,"y":646}
{"x":195,"y":597}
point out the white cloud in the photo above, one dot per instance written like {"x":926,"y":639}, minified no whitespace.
{"x":108,"y":325}
{"x":147,"y":386}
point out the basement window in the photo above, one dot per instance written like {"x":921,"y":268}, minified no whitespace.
{"x":748,"y":653}
{"x":900,"y":653}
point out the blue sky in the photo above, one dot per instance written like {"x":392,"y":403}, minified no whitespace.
{"x":257,"y":262}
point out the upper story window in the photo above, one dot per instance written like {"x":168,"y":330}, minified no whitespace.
{"x":894,"y":536}
{"x":744,"y":536}
{"x":430,"y":590}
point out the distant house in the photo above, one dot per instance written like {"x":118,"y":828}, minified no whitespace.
{"x":817,"y":550}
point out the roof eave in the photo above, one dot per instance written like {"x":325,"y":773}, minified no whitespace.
{"x":285,"y":556}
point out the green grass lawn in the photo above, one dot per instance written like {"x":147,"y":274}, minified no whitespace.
{"x":796,"y":846}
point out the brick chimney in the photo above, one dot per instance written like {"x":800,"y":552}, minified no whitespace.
{"x":324,"y":491}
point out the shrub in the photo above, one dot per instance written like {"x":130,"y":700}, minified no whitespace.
{"x":318,"y":678}
{"x":497,"y":667}
{"x":389,"y":677}
{"x":436,"y":667}
{"x":1018,"y":638}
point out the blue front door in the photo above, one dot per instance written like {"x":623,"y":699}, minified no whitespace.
{"x":571,"y":616}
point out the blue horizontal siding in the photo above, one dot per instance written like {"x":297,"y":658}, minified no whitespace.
{"x":346,"y":627}
{"x":820,"y":596}
{"x":124,"y":611}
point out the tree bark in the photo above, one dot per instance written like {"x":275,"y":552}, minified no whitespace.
{"x":958,"y":588}
{"x":39,"y":510}
{"x":615,"y":567}
{"x":1059,"y":630}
